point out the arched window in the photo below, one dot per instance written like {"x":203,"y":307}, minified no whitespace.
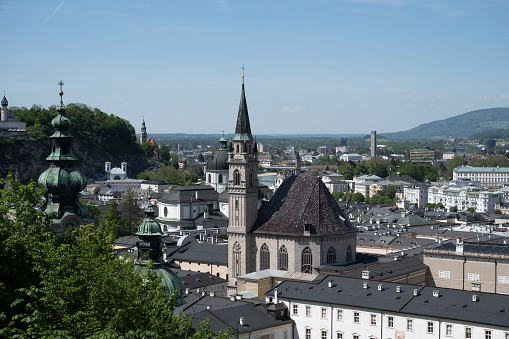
{"x":331,"y":255}
{"x":236,"y":259}
{"x":165,"y":211}
{"x":236,"y":204}
{"x":283,"y":258}
{"x":236,"y":178}
{"x":349,"y":253}
{"x":264,"y":257}
{"x":220,"y":179}
{"x":251,"y":178}
{"x":209,"y":179}
{"x":237,"y":148}
{"x":307,"y":260}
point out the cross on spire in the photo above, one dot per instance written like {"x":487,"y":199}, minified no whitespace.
{"x":61,"y":91}
{"x":243,"y":68}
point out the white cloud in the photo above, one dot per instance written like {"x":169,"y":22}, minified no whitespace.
{"x":294,"y":109}
{"x":55,"y":11}
{"x":469,"y":106}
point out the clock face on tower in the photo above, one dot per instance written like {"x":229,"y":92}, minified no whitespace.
{"x":70,"y":222}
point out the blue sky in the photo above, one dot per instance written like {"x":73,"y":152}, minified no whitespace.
{"x":324,"y":66}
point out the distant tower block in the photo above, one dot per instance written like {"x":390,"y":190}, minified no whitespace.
{"x":373,"y":144}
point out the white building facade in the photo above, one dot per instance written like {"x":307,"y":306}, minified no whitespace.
{"x":488,"y":176}
{"x":416,"y":194}
{"x":345,"y":308}
{"x":465,"y":197}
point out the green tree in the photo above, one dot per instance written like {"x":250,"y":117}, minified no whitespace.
{"x":497,"y":211}
{"x":337,"y":195}
{"x":471,"y":209}
{"x":390,"y":192}
{"x":131,"y":213}
{"x":75,"y":286}
{"x":357,"y":197}
{"x":148,"y":149}
{"x":112,"y":219}
{"x":93,"y":210}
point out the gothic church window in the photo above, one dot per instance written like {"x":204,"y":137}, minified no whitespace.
{"x":209,"y":179}
{"x":264,"y":257}
{"x":220,"y":179}
{"x":283,"y":258}
{"x":236,"y":259}
{"x":349,"y":253}
{"x":236,"y":178}
{"x":331,"y":255}
{"x":251,"y":178}
{"x":307,"y":260}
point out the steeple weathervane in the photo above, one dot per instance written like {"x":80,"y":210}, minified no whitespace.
{"x":61,"y":91}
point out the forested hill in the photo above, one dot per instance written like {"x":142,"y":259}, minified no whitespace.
{"x":99,"y":137}
{"x":460,"y":126}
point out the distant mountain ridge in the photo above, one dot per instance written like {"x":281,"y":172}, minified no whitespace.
{"x":460,"y":126}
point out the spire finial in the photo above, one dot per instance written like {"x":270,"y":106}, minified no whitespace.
{"x":61,"y":91}
{"x":223,"y":133}
{"x":243,"y":68}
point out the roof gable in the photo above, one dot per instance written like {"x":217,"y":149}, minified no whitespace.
{"x":298,"y":200}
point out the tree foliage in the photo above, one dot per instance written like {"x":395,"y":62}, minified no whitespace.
{"x":75,"y":286}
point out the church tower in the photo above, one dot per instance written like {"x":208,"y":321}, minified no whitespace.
{"x":62,"y":180}
{"x":143,"y":135}
{"x":242,"y":194}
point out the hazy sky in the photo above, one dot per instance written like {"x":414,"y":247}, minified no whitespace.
{"x":324,"y":66}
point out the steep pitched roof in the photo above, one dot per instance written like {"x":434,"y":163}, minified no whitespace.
{"x":298,"y":200}
{"x":243,"y":128}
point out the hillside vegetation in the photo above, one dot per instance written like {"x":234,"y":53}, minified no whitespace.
{"x":460,"y":126}
{"x":99,"y":137}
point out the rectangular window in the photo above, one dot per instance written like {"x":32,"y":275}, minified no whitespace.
{"x":409,"y":325}
{"x":430,"y":327}
{"x":339,"y":335}
{"x":444,"y":274}
{"x":487,"y":334}
{"x":308,"y":311}
{"x":448,"y":330}
{"x":356,"y":317}
{"x":390,"y":322}
{"x":340,"y":315}
{"x":506,"y":335}
{"x":308,"y":333}
{"x":324,"y":334}
{"x":356,"y":336}
{"x":324,"y":313}
{"x":373,"y":319}
{"x":295,"y":309}
{"x":473,"y":276}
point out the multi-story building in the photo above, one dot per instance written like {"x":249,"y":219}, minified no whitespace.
{"x":488,"y":176}
{"x":324,"y":150}
{"x":382,"y":186}
{"x":346,"y":308}
{"x":465,"y":197}
{"x":481,"y":267}
{"x":416,"y":194}
{"x":419,"y":154}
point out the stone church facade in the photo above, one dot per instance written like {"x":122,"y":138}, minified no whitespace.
{"x":300,"y":228}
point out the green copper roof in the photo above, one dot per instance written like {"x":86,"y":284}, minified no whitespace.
{"x":61,"y":179}
{"x":149,"y":226}
{"x":467,"y":169}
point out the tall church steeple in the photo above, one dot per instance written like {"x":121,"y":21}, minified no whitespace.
{"x":61,"y":179}
{"x":143,"y":135}
{"x":242,"y":192}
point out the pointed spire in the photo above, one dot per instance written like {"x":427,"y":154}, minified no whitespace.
{"x":243,"y":128}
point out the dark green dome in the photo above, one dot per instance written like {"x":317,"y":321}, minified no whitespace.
{"x":149,"y":226}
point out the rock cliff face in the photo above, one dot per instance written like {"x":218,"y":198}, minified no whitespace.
{"x":29,"y":158}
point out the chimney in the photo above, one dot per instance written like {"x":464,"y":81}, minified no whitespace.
{"x":196,"y":195}
{"x":365,"y":285}
{"x":459,"y":246}
{"x":398,"y":289}
{"x":380,"y":287}
{"x":365,"y":274}
{"x":436,"y":293}
{"x":232,"y":298}
{"x":416,"y":291}
{"x":329,"y":283}
{"x":212,"y":294}
{"x":474,"y":298}
{"x":241,"y":321}
{"x":188,"y":290}
{"x":275,"y":296}
{"x":203,"y":293}
{"x":208,"y":307}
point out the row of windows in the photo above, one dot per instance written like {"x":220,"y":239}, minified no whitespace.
{"x":324,"y":334}
{"x":306,"y":258}
{"x":430,"y":325}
